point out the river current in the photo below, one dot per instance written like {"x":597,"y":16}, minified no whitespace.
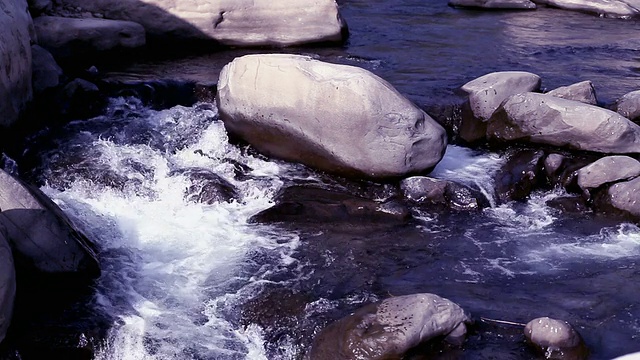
{"x":187,"y":280}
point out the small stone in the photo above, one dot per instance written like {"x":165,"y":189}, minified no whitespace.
{"x":555,"y":338}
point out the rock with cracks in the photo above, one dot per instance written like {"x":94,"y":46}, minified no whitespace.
{"x":230,"y":22}
{"x":544,"y":119}
{"x":336,"y":118}
{"x":387,"y":330}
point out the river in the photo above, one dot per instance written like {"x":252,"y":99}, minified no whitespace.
{"x":186,"y":280}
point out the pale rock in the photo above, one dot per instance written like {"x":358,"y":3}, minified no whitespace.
{"x":544,"y":119}
{"x":494,"y":4}
{"x":609,"y":8}
{"x":607,"y":170}
{"x":583,"y":92}
{"x":555,"y":338}
{"x":629,"y":105}
{"x":337,"y":118}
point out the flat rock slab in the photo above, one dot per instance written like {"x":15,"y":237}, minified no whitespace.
{"x":607,"y":170}
{"x":609,"y":8}
{"x":230,"y":22}
{"x":71,"y":36}
{"x":494,"y":4}
{"x":336,"y":118}
{"x":544,"y":119}
{"x":41,"y":233}
{"x":387,"y":330}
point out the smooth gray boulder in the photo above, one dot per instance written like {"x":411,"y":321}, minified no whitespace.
{"x":46,"y":72}
{"x":621,"y":198}
{"x":65,"y":37}
{"x":7,"y":283}
{"x":336,"y":118}
{"x":629,"y":105}
{"x":494,"y":4}
{"x":387,"y":330}
{"x":607,"y":170}
{"x":583,"y":92}
{"x":544,"y":119}
{"x":555,"y":338}
{"x":486,"y":93}
{"x":230,"y":22}
{"x":15,"y":63}
{"x":609,"y":8}
{"x":41,"y":233}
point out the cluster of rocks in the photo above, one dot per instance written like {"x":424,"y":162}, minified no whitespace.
{"x":609,"y":8}
{"x":38,"y":239}
{"x":391,"y":328}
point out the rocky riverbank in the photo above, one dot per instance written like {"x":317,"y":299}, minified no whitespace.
{"x":342,"y":120}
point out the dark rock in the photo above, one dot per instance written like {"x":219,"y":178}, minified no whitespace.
{"x":207,"y":187}
{"x":486,"y":93}
{"x":544,"y":119}
{"x":37,"y":7}
{"x":275,"y":308}
{"x":42,"y":234}
{"x":428,"y":191}
{"x":390,"y":328}
{"x":81,"y":99}
{"x":520,"y":175}
{"x":569,"y":204}
{"x":316,"y":205}
{"x":583,"y":92}
{"x":7,"y":283}
{"x":46,"y":72}
{"x":555,"y":339}
{"x":460,"y":197}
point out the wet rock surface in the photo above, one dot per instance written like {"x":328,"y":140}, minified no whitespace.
{"x":7,"y":283}
{"x":391,"y":328}
{"x":495,"y":4}
{"x":556,"y":339}
{"x":520,"y":175}
{"x":207,"y":187}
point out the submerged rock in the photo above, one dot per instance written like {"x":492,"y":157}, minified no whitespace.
{"x":41,"y":233}
{"x":629,"y":105}
{"x":230,"y":22}
{"x":520,"y":175}
{"x":485,"y":95}
{"x":607,"y":170}
{"x":7,"y":283}
{"x":390,"y":328}
{"x":494,"y":4}
{"x":207,"y":187}
{"x":337,"y":118}
{"x":425,"y":190}
{"x":544,"y":119}
{"x":569,"y":204}
{"x":556,"y":339}
{"x":610,"y":8}
{"x":309,"y":204}
{"x":15,"y":67}
{"x":65,"y":37}
{"x":583,"y":92}
{"x":46,"y":72}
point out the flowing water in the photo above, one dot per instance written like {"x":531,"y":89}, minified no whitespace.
{"x":189,"y":280}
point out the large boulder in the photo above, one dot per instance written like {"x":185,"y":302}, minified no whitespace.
{"x":337,"y":118}
{"x":41,"y":234}
{"x":65,"y":37}
{"x":231,"y":22}
{"x":494,"y":4}
{"x":629,"y":105}
{"x":607,"y":170}
{"x":15,"y":60}
{"x":543,"y":119}
{"x":486,"y":93}
{"x":556,"y":339}
{"x":387,"y":330}
{"x":7,"y":283}
{"x":582,"y":91}
{"x":609,"y":8}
